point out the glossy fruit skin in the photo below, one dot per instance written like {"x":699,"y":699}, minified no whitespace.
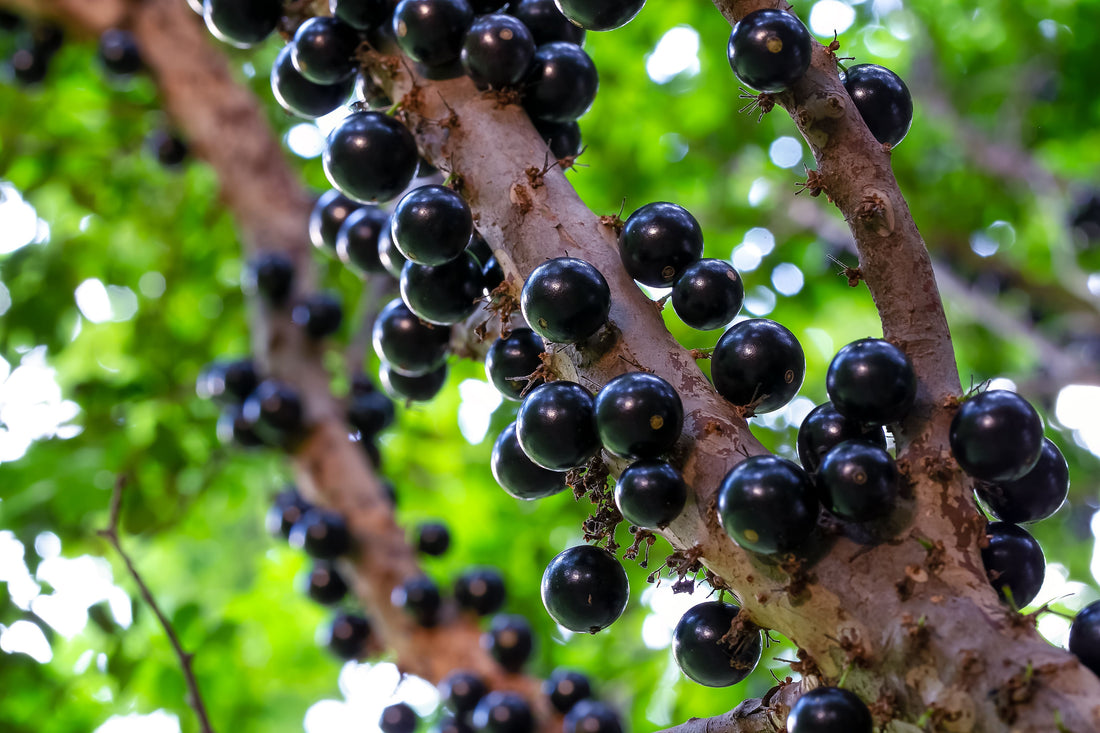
{"x":420,"y":388}
{"x":275,"y":411}
{"x":119,"y":53}
{"x":708,"y":294}
{"x":518,"y":475}
{"x":443,"y":294}
{"x":389,"y":255}
{"x":563,"y":138}
{"x":418,"y":597}
{"x":767,"y":504}
{"x":1084,"y":636}
{"x":230,"y":381}
{"x":561,"y":84}
{"x":233,"y":430}
{"x":650,"y":494}
{"x":461,"y":690}
{"x":480,"y":590}
{"x":758,"y":363}
{"x":347,"y":636}
{"x":432,"y":225}
{"x":503,"y":712}
{"x":327,"y":218}
{"x":769,"y":50}
{"x":497,"y":51}
{"x":592,"y":716}
{"x":320,"y":314}
{"x":324,"y":584}
{"x":242,"y":23}
{"x":883,"y":101}
{"x":565,"y":300}
{"x":658,"y":241}
{"x":585,"y":589}
{"x":512,"y":357}
{"x":639,"y":415}
{"x":431,"y":31}
{"x":169,"y":149}
{"x":600,"y":15}
{"x":361,"y":14}
{"x":824,"y":428}
{"x":287,"y":508}
{"x":509,"y":641}
{"x":556,"y":426}
{"x":270,"y":275}
{"x":858,"y":481}
{"x":829,"y":710}
{"x":323,"y":50}
{"x":871,"y":381}
{"x":546,"y":22}
{"x":565,"y":688}
{"x":996,"y":436}
{"x":299,"y":95}
{"x":398,"y":718}
{"x":370,"y":413}
{"x":1014,"y":562}
{"x":701,"y":654}
{"x":492,"y":275}
{"x":432,"y":538}
{"x":1036,"y":495}
{"x":408,"y":346}
{"x":321,"y":533}
{"x":370,"y":156}
{"x":357,"y":239}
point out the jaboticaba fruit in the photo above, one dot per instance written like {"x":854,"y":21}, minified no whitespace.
{"x":767,"y":504}
{"x":328,"y":216}
{"x":1014,"y":563}
{"x":510,"y":359}
{"x":546,"y":22}
{"x":1084,"y":636}
{"x":706,"y":650}
{"x":407,"y":345}
{"x":565,"y":300}
{"x":1035,"y":495}
{"x":323,"y":50}
{"x":758,"y":364}
{"x":769,"y":50}
{"x":585,"y":588}
{"x":825,"y":428}
{"x":299,"y":95}
{"x":565,"y":688}
{"x":639,"y":415}
{"x":497,"y":51}
{"x":658,"y":241}
{"x":829,"y":710}
{"x":650,"y":494}
{"x":858,"y":481}
{"x":431,"y":225}
{"x":592,"y":716}
{"x":996,"y":436}
{"x":871,"y":381}
{"x":370,"y":156}
{"x":443,"y":294}
{"x":561,"y":84}
{"x":419,"y":388}
{"x":480,"y":590}
{"x":708,"y":294}
{"x":509,"y":641}
{"x":357,"y":238}
{"x":600,"y":15}
{"x":321,"y":533}
{"x":419,"y":597}
{"x":431,"y":31}
{"x":517,"y":474}
{"x":556,"y":426}
{"x":503,"y":712}
{"x":242,"y":23}
{"x":347,"y":635}
{"x":882,"y":99}
{"x":461,"y":690}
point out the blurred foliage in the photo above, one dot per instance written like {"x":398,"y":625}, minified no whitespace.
{"x":1017,"y":76}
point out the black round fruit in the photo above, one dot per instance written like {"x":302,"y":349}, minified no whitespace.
{"x":511,"y":358}
{"x":232,"y":429}
{"x":769,"y":50}
{"x":824,"y":428}
{"x":432,"y":538}
{"x":361,"y":14}
{"x":509,"y":641}
{"x":388,"y":253}
{"x":592,"y":716}
{"x":431,"y":31}
{"x":275,"y":411}
{"x":503,"y":712}
{"x":518,"y":475}
{"x":565,"y":688}
{"x":871,"y":381}
{"x":407,"y":345}
{"x":418,"y":597}
{"x":285,"y":512}
{"x":370,"y":413}
{"x":168,"y":148}
{"x":320,"y":314}
{"x":767,"y":504}
{"x":829,"y":710}
{"x":462,"y":690}
{"x":585,"y":588}
{"x":858,"y":481}
{"x":398,"y":718}
{"x":705,"y":650}
{"x":1014,"y":563}
{"x":347,"y":636}
{"x":882,"y":99}
{"x":227,"y":381}
{"x":565,"y":300}
{"x":1084,"y":636}
{"x":556,"y":426}
{"x":443,"y":294}
{"x":329,"y":213}
{"x":639,"y":415}
{"x":658,"y":241}
{"x":546,"y":22}
{"x":432,"y":225}
{"x":497,"y":51}
{"x":270,"y":275}
{"x":370,"y":156}
{"x":357,"y":239}
{"x":563,"y":138}
{"x":708,"y":294}
{"x":242,"y":23}
{"x":324,"y":49}
{"x":996,"y":436}
{"x":119,"y":52}
{"x":758,"y":364}
{"x":561,"y":84}
{"x":420,"y":388}
{"x":324,"y":584}
{"x":299,"y":95}
{"x":480,"y":590}
{"x":1035,"y":495}
{"x":650,"y":494}
{"x":321,"y":533}
{"x":600,"y":15}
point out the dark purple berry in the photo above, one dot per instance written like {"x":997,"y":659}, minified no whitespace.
{"x":658,"y":241}
{"x":169,"y":149}
{"x":420,"y":388}
{"x":407,"y":345}
{"x":758,"y":364}
{"x":370,"y":413}
{"x":418,"y":597}
{"x":639,"y":415}
{"x":996,"y":436}
{"x":650,"y":494}
{"x":872,"y":381}
{"x":321,"y":533}
{"x":357,"y":240}
{"x":824,"y":428}
{"x":320,"y":314}
{"x":705,"y":650}
{"x":361,"y":14}
{"x":509,"y":641}
{"x":565,"y":688}
{"x":769,"y":50}
{"x":231,"y":381}
{"x":492,"y":275}
{"x":1035,"y":495}
{"x":324,"y":584}
{"x":347,"y":636}
{"x":370,"y":156}
{"x":561,"y":84}
{"x":518,"y":475}
{"x":1014,"y":563}
{"x":565,"y":300}
{"x":858,"y":481}
{"x":432,"y":538}
{"x":398,"y":718}
{"x":234,"y":430}
{"x":299,"y":95}
{"x":270,"y":275}
{"x":443,"y":294}
{"x":767,"y":504}
{"x":287,"y":509}
{"x":480,"y":590}
{"x":119,"y":52}
{"x":585,"y":588}
{"x":600,"y":15}
{"x":563,"y":138}
{"x":462,"y":690}
{"x":497,"y":51}
{"x":882,"y":99}
{"x":829,"y":710}
{"x":708,"y":294}
{"x":503,"y":712}
{"x":546,"y":22}
{"x":1084,"y":636}
{"x":432,"y":225}
{"x":275,"y":411}
{"x":388,"y":253}
{"x":556,"y":426}
{"x":29,"y":66}
{"x":431,"y":31}
{"x":592,"y":716}
{"x":242,"y":23}
{"x":327,"y":218}
{"x":512,"y":358}
{"x":323,"y":50}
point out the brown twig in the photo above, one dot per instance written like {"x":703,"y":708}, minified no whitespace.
{"x":185,"y":658}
